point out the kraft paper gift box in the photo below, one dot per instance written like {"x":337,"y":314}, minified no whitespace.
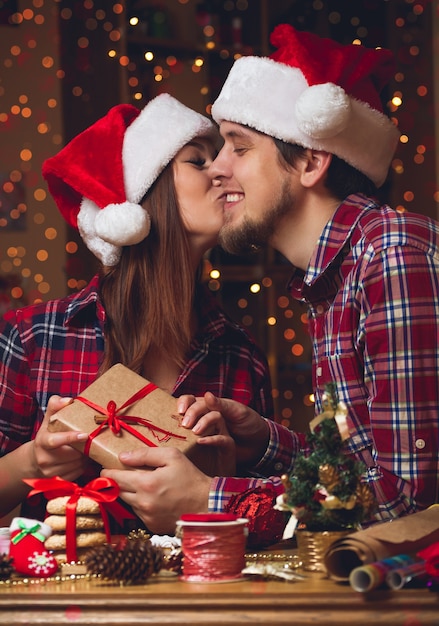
{"x":161,"y":425}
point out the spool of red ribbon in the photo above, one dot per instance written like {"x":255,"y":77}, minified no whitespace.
{"x":213,"y":547}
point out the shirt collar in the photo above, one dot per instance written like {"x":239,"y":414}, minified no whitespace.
{"x":87,"y":298}
{"x":333,"y":242}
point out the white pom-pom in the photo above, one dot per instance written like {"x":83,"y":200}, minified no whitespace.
{"x":323,"y":111}
{"x":123,"y":224}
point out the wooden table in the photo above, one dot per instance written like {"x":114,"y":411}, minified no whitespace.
{"x":165,"y":601}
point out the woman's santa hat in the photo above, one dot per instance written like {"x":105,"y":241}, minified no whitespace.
{"x":99,"y":178}
{"x":316,"y":93}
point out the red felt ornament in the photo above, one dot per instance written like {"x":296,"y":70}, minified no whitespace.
{"x":266,"y":524}
{"x":27,"y":551}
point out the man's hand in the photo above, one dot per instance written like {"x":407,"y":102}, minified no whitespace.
{"x":248,"y":429}
{"x":161,"y":486}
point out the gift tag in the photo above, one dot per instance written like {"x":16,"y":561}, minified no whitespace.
{"x":290,"y":528}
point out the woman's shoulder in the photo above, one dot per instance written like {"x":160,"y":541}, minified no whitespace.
{"x":37,"y":313}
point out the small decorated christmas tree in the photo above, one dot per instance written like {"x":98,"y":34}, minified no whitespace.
{"x":325,"y":491}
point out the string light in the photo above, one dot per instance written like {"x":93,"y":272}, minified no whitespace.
{"x":150,"y":58}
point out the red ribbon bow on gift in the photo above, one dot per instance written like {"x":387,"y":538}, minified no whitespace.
{"x":102,"y":490}
{"x":117,"y":422}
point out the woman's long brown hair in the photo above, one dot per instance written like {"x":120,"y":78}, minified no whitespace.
{"x":148,"y":295}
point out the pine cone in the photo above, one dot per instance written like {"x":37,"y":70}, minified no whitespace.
{"x":173,"y":562}
{"x":132,"y":561}
{"x":6,"y":567}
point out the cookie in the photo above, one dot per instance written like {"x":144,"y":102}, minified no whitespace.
{"x":83,"y":540}
{"x":57,"y":506}
{"x":83,"y":522}
{"x":61,"y":557}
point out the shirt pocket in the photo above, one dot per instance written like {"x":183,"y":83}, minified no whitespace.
{"x":346,"y":371}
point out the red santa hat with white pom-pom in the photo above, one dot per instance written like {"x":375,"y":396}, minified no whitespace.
{"x":316,"y":93}
{"x":100,"y":177}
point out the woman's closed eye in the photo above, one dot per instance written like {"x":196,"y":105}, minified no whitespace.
{"x":197,"y":161}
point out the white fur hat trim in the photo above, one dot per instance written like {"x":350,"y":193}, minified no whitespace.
{"x":153,"y":139}
{"x":267,"y":96}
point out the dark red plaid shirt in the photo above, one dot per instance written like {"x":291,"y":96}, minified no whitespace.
{"x":57,"y":347}
{"x":372,"y":289}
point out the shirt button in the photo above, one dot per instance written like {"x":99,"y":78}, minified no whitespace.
{"x":420,"y":444}
{"x":319,"y":371}
{"x":278,"y":467}
{"x":319,"y":309}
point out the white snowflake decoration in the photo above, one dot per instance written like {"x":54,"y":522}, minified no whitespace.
{"x":41,"y":563}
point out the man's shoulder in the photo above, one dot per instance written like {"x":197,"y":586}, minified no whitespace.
{"x":384,"y":227}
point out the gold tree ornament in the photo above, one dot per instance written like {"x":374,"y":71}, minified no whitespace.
{"x":365,"y":497}
{"x":329,"y":476}
{"x":332,"y":502}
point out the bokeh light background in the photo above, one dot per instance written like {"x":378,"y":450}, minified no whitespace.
{"x":63,"y":64}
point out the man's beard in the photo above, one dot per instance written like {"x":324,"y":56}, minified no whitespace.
{"x":250,"y":235}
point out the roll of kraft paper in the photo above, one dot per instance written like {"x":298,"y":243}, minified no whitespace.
{"x":373,"y":575}
{"x":405,"y":535}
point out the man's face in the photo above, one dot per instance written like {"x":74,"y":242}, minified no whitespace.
{"x":257,"y":189}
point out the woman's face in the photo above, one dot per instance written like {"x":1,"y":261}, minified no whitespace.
{"x":201,"y":205}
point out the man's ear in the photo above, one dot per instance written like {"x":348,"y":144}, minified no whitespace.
{"x":314,"y":167}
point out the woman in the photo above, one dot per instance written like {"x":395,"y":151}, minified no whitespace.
{"x":135,"y":184}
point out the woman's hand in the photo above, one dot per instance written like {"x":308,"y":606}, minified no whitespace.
{"x":52,"y":452}
{"x":48,"y":455}
{"x":248,"y":429}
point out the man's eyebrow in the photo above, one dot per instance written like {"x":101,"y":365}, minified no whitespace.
{"x":237,"y":133}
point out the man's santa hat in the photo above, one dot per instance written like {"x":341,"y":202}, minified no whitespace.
{"x":316,"y":93}
{"x":99,"y":178}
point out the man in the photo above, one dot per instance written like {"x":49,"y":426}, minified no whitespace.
{"x":306,"y":145}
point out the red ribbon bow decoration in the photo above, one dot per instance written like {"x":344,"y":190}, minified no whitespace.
{"x":102,"y":490}
{"x":117,"y":422}
{"x":431,"y":557}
